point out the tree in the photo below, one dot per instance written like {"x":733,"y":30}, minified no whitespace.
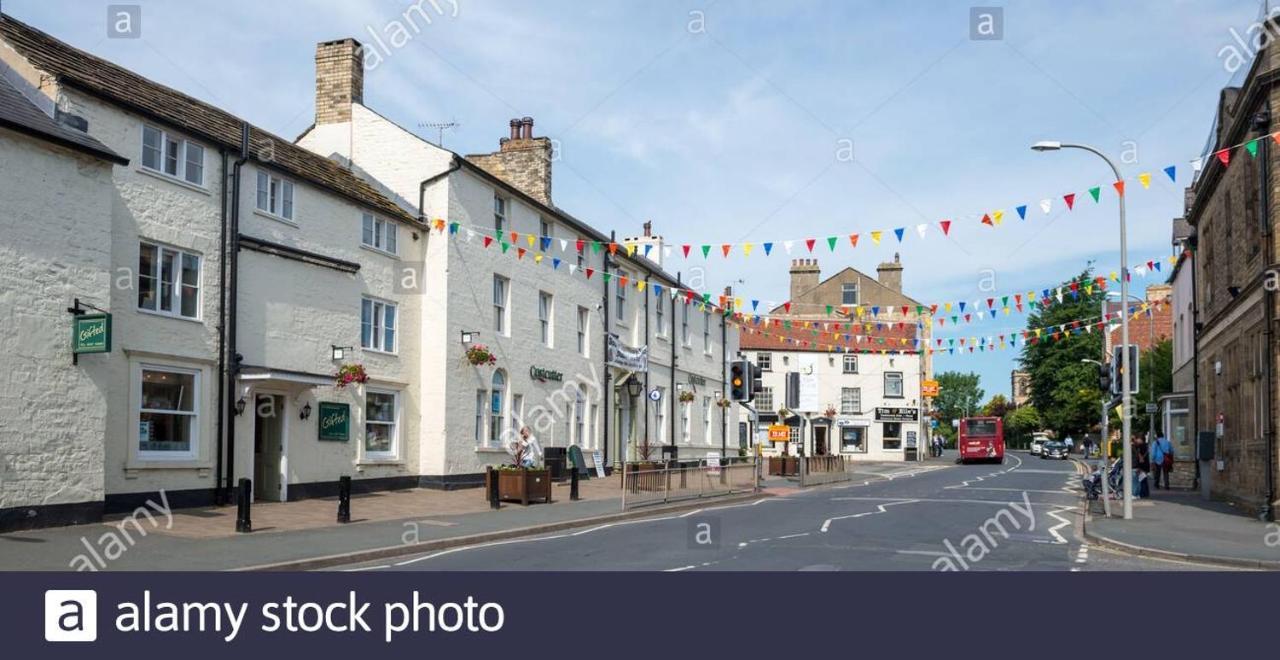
{"x":1020,"y":423}
{"x":1155,"y":375}
{"x":998,"y":406}
{"x":1064,"y":390}
{"x":958,"y":396}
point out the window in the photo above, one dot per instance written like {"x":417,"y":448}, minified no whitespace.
{"x":659,"y":309}
{"x":583,"y":344}
{"x":892,"y":435}
{"x":851,"y":364}
{"x":849,"y":293}
{"x":853,"y":439}
{"x":579,"y":421}
{"x":706,"y":419}
{"x":168,"y":281}
{"x":544,"y":231}
{"x":500,"y":293}
{"x":275,"y":195}
{"x":850,"y":400}
{"x":684,"y":325}
{"x":172,"y":156}
{"x":685,"y":421}
{"x":660,"y":415}
{"x":794,"y":434}
{"x":481,"y":396}
{"x":377,"y":233}
{"x":497,"y":397}
{"x":764,"y":400}
{"x":545,"y":317}
{"x":378,"y":325}
{"x":893,"y":384}
{"x":706,"y":332}
{"x":381,"y":415}
{"x":582,"y":254}
{"x":591,"y":427}
{"x":620,"y":292}
{"x":499,"y":214}
{"x":168,"y":412}
{"x":764,"y":361}
{"x":517,"y":414}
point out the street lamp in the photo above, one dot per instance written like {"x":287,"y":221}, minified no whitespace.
{"x":1125,"y":422}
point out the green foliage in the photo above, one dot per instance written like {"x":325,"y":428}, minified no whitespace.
{"x":998,"y":406}
{"x":1155,"y":374}
{"x":1063,"y":389}
{"x":1019,"y":424}
{"x":958,"y":393}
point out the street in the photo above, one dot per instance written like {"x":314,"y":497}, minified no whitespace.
{"x":1022,"y":515}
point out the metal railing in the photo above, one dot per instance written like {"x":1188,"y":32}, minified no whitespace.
{"x":685,"y":480}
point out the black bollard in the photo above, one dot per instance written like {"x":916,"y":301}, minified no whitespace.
{"x":344,"y":499}
{"x":493,"y":489}
{"x":244,"y":524}
{"x":573,"y":484}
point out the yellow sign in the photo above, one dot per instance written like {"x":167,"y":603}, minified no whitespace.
{"x":779,"y":433}
{"x":929,"y":388}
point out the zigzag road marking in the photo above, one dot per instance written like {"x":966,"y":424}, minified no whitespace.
{"x":880,"y":508}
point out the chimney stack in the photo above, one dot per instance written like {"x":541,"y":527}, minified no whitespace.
{"x":522,"y":160}
{"x":890,"y":274}
{"x":339,"y":79}
{"x":804,"y":279}
{"x":647,"y":245}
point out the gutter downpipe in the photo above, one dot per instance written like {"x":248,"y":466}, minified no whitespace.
{"x":724,"y":378}
{"x":677,"y":343}
{"x":219,"y":494}
{"x":604,"y":344}
{"x":233,"y":261}
{"x":644,"y":397}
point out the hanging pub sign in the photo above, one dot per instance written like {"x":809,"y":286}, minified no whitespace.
{"x":627,"y":357}
{"x":91,"y":333}
{"x":334,"y":421}
{"x":897,"y":414}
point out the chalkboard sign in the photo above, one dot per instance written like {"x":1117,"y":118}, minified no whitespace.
{"x":335,"y":421}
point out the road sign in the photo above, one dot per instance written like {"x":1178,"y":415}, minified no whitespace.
{"x":929,"y":388}
{"x":655,"y":395}
{"x":1153,"y":408}
{"x":779,"y":433}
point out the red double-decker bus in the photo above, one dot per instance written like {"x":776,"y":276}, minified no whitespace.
{"x":981,"y":439}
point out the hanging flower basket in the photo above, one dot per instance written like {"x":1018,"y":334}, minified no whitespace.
{"x":686,"y":396}
{"x":831,"y":411}
{"x":350,"y":373}
{"x":479,"y":355}
{"x":724,"y":403}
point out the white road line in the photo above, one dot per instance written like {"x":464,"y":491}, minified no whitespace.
{"x":682,"y":568}
{"x":1010,"y":490}
{"x":1063,"y":523}
{"x":880,"y":508}
{"x":939,"y":501}
{"x":366,"y":568}
{"x":793,"y":536}
{"x":927,"y":553}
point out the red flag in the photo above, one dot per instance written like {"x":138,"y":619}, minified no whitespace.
{"x":986,"y":220}
{"x":488,"y":240}
{"x":853,"y":240}
{"x":933,"y":309}
{"x":515,"y":237}
{"x":613,"y":248}
{"x":1119,"y":187}
{"x":686,"y":250}
{"x":725,"y":249}
{"x":590,"y":272}
{"x":786,"y":306}
{"x":809,"y":243}
{"x":991,"y":302}
{"x":623,"y":281}
{"x":581,"y":245}
{"x":1070,"y":200}
{"x":946,"y":227}
{"x":519,"y":253}
{"x":1224,"y":156}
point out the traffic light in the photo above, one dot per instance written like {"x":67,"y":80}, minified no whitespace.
{"x":757,"y":380}
{"x":1118,"y":379}
{"x":1104,"y":377}
{"x":740,"y":380}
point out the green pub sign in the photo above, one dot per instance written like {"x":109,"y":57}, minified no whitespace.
{"x":91,"y":333}
{"x":335,"y":421}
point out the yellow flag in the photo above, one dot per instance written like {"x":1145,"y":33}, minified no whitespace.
{"x":530,"y":238}
{"x":997,"y":216}
{"x":537,"y":258}
{"x":1145,"y":179}
{"x":631,"y":250}
{"x":746,"y":249}
{"x":640,"y":285}
{"x":875,"y":236}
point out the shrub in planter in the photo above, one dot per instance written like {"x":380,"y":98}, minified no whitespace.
{"x":350,"y":373}
{"x":523,"y":485}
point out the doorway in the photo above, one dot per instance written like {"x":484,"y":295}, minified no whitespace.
{"x":268,"y":448}
{"x":820,"y":441}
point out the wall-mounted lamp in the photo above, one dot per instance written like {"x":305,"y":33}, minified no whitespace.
{"x":339,"y":353}
{"x":306,"y":412}
{"x":469,"y":336}
{"x":240,"y":404}
{"x":633,"y":387}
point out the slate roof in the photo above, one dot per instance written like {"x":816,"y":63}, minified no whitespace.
{"x":21,"y":115}
{"x":119,"y":86}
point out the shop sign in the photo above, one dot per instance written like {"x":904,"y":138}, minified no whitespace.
{"x":334,"y":421}
{"x":929,"y":388}
{"x":627,"y":357}
{"x":91,"y":333}
{"x":885,"y":414}
{"x":779,"y":433}
{"x":543,"y":375}
{"x":697,"y":381}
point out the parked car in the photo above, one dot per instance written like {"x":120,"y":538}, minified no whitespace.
{"x":1037,"y":443}
{"x":1054,"y":449}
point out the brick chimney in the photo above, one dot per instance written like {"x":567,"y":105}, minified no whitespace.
{"x":890,"y":273}
{"x":339,"y":79}
{"x":522,"y":160}
{"x":804,"y":278}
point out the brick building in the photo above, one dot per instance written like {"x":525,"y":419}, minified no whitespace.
{"x":1232,"y":211}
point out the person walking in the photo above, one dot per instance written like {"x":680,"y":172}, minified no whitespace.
{"x":1162,"y":460}
{"x":1070,"y":444}
{"x":1141,"y":467}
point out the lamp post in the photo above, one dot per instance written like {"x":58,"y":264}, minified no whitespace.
{"x":1125,"y":398}
{"x":1103,"y":440}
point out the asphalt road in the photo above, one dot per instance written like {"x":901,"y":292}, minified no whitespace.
{"x":1023,"y":515}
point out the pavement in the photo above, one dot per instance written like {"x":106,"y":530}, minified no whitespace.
{"x":1023,"y":515}
{"x":1180,"y":525}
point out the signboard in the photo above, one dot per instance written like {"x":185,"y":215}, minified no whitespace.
{"x":655,"y":395}
{"x":911,"y":440}
{"x":626,"y":357}
{"x":713,"y":462}
{"x":91,"y":333}
{"x":897,"y":414}
{"x":1153,"y":408}
{"x":544,"y":375}
{"x":334,"y":421}
{"x":929,"y":388}
{"x":597,"y":457}
{"x":779,"y":433}
{"x":697,"y":381}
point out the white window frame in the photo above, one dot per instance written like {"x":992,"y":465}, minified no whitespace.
{"x":661,"y":314}
{"x":494,"y":433}
{"x":764,"y":400}
{"x":182,"y":156}
{"x":706,"y":420}
{"x":502,"y":305}
{"x":706,"y":332}
{"x":546,"y":318}
{"x":857,"y":293}
{"x":175,"y":294}
{"x":277,"y":200}
{"x":584,"y":332}
{"x":394,"y":452}
{"x":764,"y":360}
{"x":686,"y":421}
{"x":660,"y":415}
{"x":849,"y":359}
{"x":845,"y":407}
{"x":902,"y":386}
{"x":620,"y":297}
{"x":196,"y":400}
{"x":545,"y":230}
{"x":379,"y":234}
{"x":499,"y":214}
{"x":379,"y":325}
{"x":685,"y":339}
{"x":482,"y":417}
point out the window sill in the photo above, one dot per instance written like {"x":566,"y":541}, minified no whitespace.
{"x":278,"y":218}
{"x":165,"y":463}
{"x":378,"y":351}
{"x":166,"y":315}
{"x":377,"y":250}
{"x":174,"y":180}
{"x":369,"y":461}
{"x":491,"y":450}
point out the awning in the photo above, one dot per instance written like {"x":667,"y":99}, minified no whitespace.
{"x":252,"y":373}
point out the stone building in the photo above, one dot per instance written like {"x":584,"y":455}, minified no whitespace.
{"x":1019,"y":387}
{"x":1233,"y":214}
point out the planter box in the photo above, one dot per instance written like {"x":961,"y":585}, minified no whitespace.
{"x":524,"y":486}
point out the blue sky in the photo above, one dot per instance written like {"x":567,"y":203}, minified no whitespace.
{"x":729,"y":132}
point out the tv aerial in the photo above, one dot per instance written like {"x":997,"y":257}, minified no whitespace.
{"x":440,"y":128}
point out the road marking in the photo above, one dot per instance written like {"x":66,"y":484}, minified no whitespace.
{"x":940,"y":501}
{"x":880,"y":508}
{"x":927,"y":553}
{"x":793,"y":536}
{"x":1063,"y":523}
{"x":682,"y":568}
{"x":1010,"y":490}
{"x":365,"y":568}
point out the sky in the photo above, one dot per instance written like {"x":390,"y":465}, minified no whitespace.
{"x":733,"y":121}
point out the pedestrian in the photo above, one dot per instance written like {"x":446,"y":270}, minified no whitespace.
{"x":937,"y":445}
{"x":1069,"y":442}
{"x":1141,"y":467}
{"x":1162,"y":460}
